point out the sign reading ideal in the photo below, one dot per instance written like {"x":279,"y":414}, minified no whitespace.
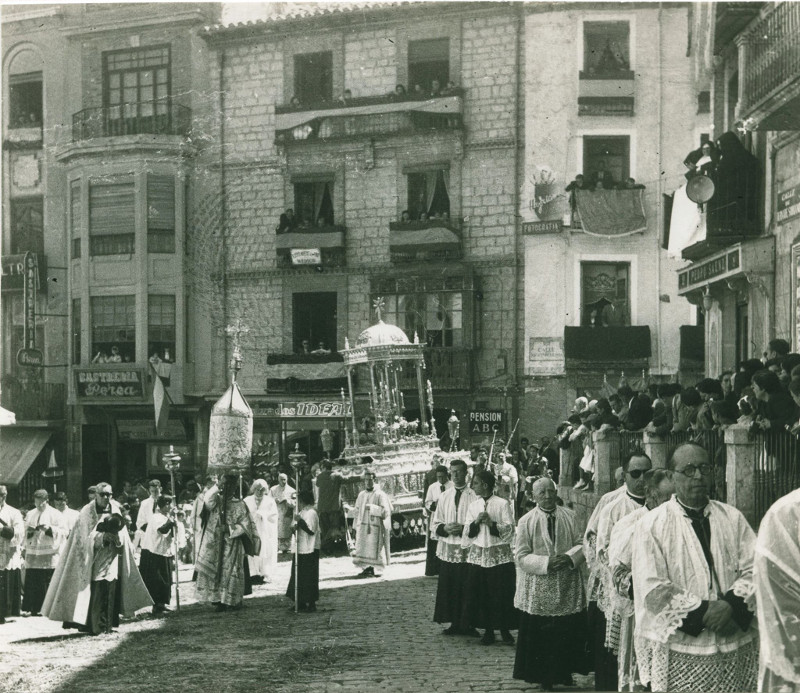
{"x":110,"y":384}
{"x":291,"y":410}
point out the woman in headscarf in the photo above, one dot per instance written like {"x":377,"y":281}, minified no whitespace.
{"x":264,"y":513}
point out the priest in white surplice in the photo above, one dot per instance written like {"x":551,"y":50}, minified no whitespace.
{"x":658,"y":489}
{"x":606,"y":630}
{"x":693,"y":595}
{"x":777,"y":581}
{"x":448,"y":524}
{"x":372,"y":523}
{"x":550,"y":592}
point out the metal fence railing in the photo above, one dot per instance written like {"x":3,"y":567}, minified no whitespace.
{"x":777,"y":469}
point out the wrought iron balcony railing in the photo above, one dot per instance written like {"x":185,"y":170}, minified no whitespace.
{"x":773,"y":54}
{"x":144,"y":118}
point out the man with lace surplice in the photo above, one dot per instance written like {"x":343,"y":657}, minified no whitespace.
{"x":692,"y":567}
{"x":550,"y":592}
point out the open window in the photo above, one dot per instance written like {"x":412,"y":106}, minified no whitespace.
{"x":605,"y":294}
{"x":161,"y":327}
{"x":429,"y":194}
{"x":136,"y":89}
{"x":428,"y":62}
{"x":313,"y":77}
{"x":113,"y":329}
{"x":606,"y":49}
{"x":25,"y":100}
{"x":314,"y":321}
{"x":606,"y":158}
{"x":313,"y":203}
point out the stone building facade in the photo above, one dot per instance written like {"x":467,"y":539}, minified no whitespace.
{"x":363,"y":154}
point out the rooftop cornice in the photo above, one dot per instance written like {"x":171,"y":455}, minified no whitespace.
{"x":92,"y":25}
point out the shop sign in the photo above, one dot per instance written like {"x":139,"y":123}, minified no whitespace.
{"x":540,"y":228}
{"x":29,"y":300}
{"x":292,"y":410}
{"x":485,"y":422}
{"x":109,"y":383}
{"x":710,"y":269}
{"x":788,"y":204}
{"x":12,"y":272}
{"x":145,"y":429}
{"x":306,"y":256}
{"x":30,"y":357}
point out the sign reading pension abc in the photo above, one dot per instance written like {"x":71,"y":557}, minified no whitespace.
{"x":485,"y":422}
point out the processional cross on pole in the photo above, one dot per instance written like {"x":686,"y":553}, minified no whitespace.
{"x":234,"y":331}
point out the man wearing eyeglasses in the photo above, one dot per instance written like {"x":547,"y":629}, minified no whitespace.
{"x":692,"y":566}
{"x":605,"y":639}
{"x":97,"y":562}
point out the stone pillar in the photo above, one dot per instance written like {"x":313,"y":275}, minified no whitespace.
{"x":606,"y":452}
{"x":656,"y":449}
{"x":740,"y":472}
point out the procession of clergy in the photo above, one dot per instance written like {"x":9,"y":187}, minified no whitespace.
{"x":680,"y":594}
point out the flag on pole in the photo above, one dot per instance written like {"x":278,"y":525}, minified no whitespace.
{"x":161,"y":402}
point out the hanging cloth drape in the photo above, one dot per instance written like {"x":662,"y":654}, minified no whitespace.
{"x":446,"y":181}
{"x":430,"y":189}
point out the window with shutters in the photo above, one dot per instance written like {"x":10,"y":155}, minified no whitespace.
{"x":113,"y":329}
{"x":161,"y":327}
{"x":160,"y":214}
{"x":313,"y":77}
{"x":76,"y":330}
{"x":136,"y":89}
{"x":27,"y":225}
{"x":112,"y":228}
{"x":75,"y":218}
{"x":428,"y":61}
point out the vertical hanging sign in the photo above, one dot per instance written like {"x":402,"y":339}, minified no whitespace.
{"x":29,"y":299}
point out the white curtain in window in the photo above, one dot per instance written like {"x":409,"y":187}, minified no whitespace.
{"x":430,"y":188}
{"x":446,"y":179}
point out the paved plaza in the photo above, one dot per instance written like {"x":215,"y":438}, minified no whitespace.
{"x":368,"y":635}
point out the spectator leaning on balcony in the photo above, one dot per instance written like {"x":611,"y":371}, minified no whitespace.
{"x":777,"y":348}
{"x":684,"y":410}
{"x":776,"y":408}
{"x":710,"y":390}
{"x":788,"y":363}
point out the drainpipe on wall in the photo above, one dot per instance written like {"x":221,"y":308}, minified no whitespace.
{"x":659,"y":190}
{"x":519,"y":260}
{"x":223,"y":213}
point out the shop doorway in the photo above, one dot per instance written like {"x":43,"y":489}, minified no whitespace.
{"x":314,"y":320}
{"x":95,"y":457}
{"x":742,"y":330}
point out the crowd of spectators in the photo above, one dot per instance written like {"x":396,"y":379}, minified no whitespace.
{"x":763,"y":395}
{"x":416,"y":92}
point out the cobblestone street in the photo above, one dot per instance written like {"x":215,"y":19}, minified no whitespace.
{"x":368,"y":635}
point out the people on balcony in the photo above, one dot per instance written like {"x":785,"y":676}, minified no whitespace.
{"x":346,"y":98}
{"x":702,"y":161}
{"x":287,"y":222}
{"x":322,"y":348}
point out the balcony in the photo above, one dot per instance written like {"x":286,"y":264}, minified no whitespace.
{"x":305,"y":373}
{"x":611,"y":213}
{"x":367,"y":117}
{"x":448,"y":368}
{"x":319,"y":245}
{"x":34,"y":401}
{"x":606,"y":94}
{"x":604,"y":346}
{"x":149,"y":118}
{"x":434,"y":239}
{"x":730,"y":19}
{"x":770,"y":95}
{"x":23,"y":136}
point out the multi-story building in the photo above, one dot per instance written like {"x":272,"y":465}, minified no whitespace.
{"x":99,"y":140}
{"x":743,"y":272}
{"x":34,"y":280}
{"x":607,"y":96}
{"x":392,"y":134}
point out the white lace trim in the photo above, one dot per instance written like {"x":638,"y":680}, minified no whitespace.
{"x":746,"y":590}
{"x":490,"y":556}
{"x":671,"y":617}
{"x":451,"y":553}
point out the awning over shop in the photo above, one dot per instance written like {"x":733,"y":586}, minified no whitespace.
{"x":611,"y":213}
{"x":19,"y":447}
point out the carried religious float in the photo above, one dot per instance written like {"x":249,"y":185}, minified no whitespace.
{"x":400,"y":452}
